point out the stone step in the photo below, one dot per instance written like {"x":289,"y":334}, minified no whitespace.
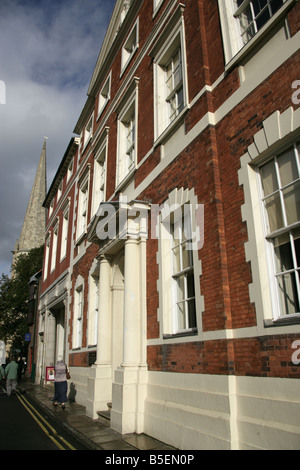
{"x":104,"y":415}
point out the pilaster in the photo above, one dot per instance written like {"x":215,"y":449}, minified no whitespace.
{"x":100,"y":380}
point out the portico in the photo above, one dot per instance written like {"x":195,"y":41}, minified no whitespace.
{"x":119,"y":374}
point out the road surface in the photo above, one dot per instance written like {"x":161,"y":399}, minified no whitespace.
{"x":25,"y":426}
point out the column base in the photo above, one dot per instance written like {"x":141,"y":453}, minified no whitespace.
{"x":99,"y":389}
{"x":128,"y":399}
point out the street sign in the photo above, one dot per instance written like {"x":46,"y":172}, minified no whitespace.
{"x":28,"y":337}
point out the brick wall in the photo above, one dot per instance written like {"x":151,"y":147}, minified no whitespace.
{"x":266,"y":356}
{"x":81,"y":268}
{"x":209,"y":165}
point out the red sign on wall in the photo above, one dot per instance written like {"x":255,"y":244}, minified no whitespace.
{"x":50,"y":374}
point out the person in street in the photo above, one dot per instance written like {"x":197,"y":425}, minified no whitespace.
{"x":2,"y":373}
{"x":11,"y":372}
{"x":20,"y":369}
{"x":60,"y":383}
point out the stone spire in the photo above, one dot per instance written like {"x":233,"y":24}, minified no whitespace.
{"x":33,"y":230}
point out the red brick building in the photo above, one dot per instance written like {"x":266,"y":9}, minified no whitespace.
{"x":173,"y":286}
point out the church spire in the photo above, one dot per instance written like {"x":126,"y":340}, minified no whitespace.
{"x":33,"y":229}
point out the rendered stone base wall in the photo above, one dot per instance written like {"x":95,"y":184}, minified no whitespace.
{"x":197,"y":412}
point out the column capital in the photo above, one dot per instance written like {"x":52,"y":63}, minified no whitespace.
{"x":103,"y":258}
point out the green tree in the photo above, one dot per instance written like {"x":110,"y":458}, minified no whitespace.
{"x":14,"y":297}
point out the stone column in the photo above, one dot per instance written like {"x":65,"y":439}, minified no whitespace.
{"x":131,"y":304}
{"x":104,"y":312}
{"x":99,"y":392}
{"x":49,"y":342}
{"x":130,"y":380}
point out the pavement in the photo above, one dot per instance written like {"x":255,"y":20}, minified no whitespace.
{"x":95,"y":434}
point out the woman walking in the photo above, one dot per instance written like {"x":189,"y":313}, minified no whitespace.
{"x":60,"y":384}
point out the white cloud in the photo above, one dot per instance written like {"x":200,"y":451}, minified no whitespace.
{"x":47,"y":55}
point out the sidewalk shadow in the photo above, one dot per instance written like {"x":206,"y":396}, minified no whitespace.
{"x":72,"y":392}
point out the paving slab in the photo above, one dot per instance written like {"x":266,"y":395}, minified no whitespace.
{"x":96,"y":434}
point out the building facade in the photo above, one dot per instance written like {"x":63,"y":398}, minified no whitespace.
{"x":171,"y":274}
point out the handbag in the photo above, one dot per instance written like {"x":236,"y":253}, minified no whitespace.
{"x":68,"y":375}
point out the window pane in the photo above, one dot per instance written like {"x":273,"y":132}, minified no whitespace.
{"x":274,"y":211}
{"x":177,"y":69}
{"x":246,"y":18}
{"x":287,"y":168}
{"x":169,"y":81}
{"x":181,"y":316}
{"x":292,"y":202}
{"x":258,"y":5}
{"x":191,"y":313}
{"x":296,"y":236}
{"x":255,"y":14}
{"x":180,"y":289}
{"x":176,"y":260}
{"x":283,"y":253}
{"x":187,"y":226}
{"x":289,"y":301}
{"x":186,"y":257}
{"x":179,"y":101}
{"x":172,"y":111}
{"x":248,"y":34}
{"x":275,"y":5}
{"x":263,"y":17}
{"x":177,"y":231}
{"x":269,"y":179}
{"x":190,"y":285}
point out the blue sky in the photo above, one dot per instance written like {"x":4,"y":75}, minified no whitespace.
{"x":48,"y":52}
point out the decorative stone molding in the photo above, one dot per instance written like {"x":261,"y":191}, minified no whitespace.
{"x":278,"y":130}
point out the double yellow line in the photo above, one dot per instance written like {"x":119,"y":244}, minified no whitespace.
{"x":58,"y":440}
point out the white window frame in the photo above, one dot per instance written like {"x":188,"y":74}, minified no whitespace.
{"x":127,"y":140}
{"x":59,"y":191}
{"x":50,"y":209}
{"x":70,"y":169}
{"x":47,"y":253}
{"x":279,"y":131}
{"x":156,"y":6}
{"x":78,"y":317}
{"x":88,"y":131}
{"x":175,"y":42}
{"x":248,"y":5}
{"x":181,"y":273}
{"x":54,"y":246}
{"x":93,"y":304}
{"x":99,"y":177}
{"x":83,"y":204}
{"x":287,"y":230}
{"x":231,"y":31}
{"x":64,"y":233}
{"x":130,"y":46}
{"x":104,"y":96}
{"x":178,"y":201}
